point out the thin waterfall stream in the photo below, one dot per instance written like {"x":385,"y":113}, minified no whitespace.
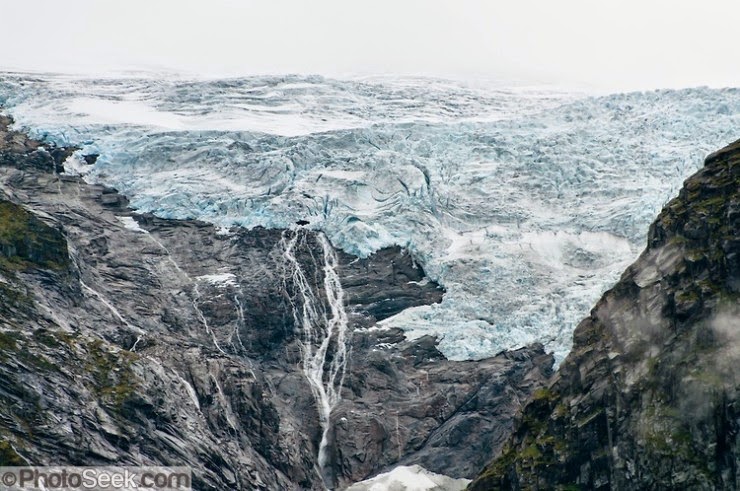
{"x":323,"y":323}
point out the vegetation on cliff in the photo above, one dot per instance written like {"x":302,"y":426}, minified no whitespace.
{"x":26,"y":241}
{"x":649,"y":398}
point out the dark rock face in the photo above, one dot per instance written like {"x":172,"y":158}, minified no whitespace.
{"x":128,"y":339}
{"x":17,"y":150}
{"x":447,"y":423}
{"x":649,"y":398}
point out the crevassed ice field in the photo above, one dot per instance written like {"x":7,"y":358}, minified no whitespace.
{"x":526,"y":203}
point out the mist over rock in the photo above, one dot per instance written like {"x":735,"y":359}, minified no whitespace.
{"x":127,"y":339}
{"x":649,"y":398}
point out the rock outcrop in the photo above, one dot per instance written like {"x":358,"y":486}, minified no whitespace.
{"x":649,"y":397}
{"x":127,"y":339}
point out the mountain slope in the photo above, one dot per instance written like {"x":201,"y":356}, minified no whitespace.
{"x":126,"y":339}
{"x":649,"y":397}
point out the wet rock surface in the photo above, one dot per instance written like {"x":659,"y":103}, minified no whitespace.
{"x":128,"y":339}
{"x":649,"y":398}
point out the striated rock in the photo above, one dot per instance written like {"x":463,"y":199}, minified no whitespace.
{"x":649,"y":398}
{"x":409,"y":406}
{"x":128,"y":339}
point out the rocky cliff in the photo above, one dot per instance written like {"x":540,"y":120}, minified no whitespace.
{"x":649,"y":397}
{"x":126,"y":339}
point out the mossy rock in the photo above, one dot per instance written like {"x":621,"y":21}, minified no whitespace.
{"x":14,"y":345}
{"x":545,"y":395}
{"x":9,"y":457}
{"x":114,"y":380}
{"x":13,"y":299}
{"x":27,"y":242}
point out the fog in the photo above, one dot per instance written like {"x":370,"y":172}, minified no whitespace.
{"x":626,"y":44}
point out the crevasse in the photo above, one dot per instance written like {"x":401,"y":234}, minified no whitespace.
{"x":525,"y":203}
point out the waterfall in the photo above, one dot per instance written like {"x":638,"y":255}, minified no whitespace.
{"x":323,"y":324}
{"x":238,"y":324}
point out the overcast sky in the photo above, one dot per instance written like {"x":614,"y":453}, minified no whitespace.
{"x":620,"y":44}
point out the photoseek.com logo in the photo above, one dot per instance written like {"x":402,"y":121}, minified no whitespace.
{"x":62,"y":478}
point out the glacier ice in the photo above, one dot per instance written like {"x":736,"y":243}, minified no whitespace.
{"x":525,"y":203}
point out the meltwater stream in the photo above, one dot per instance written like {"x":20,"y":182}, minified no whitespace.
{"x":324,"y":326}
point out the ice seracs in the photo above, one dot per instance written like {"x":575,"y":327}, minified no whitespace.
{"x":526,"y":204}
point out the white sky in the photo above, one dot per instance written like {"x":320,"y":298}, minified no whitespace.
{"x":615,"y":44}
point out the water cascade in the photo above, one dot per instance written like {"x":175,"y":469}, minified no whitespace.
{"x":318,"y":312}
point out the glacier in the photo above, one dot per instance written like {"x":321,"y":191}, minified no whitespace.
{"x":524,"y":202}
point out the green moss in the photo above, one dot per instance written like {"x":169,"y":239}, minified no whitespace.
{"x":561,"y":410}
{"x":676,"y":206}
{"x":713,"y":204}
{"x":560,"y":446}
{"x":652,"y":364}
{"x":13,"y":344}
{"x":544,"y":395}
{"x":531,"y":452}
{"x":12,"y":264}
{"x":13,"y":221}
{"x":681,"y":436}
{"x":55,"y":338}
{"x":26,"y":241}
{"x":542,"y":450}
{"x":43,"y":363}
{"x":499,"y":467}
{"x":679,"y":240}
{"x":14,"y":299}
{"x":9,"y":341}
{"x":47,"y":338}
{"x":687,"y":296}
{"x":113,"y":379}
{"x":8,"y":455}
{"x":668,"y":436}
{"x":709,"y":286}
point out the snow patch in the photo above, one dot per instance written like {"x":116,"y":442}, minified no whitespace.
{"x":131,"y":224}
{"x":220,"y":280}
{"x":410,"y":478}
